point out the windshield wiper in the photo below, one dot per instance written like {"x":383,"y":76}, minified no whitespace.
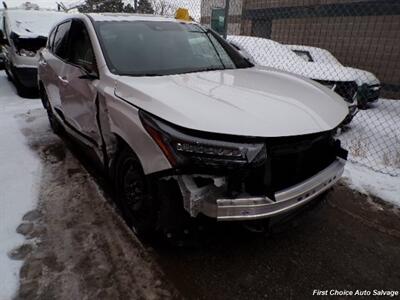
{"x":150,"y":74}
{"x":141,"y":74}
{"x":205,"y":69}
{"x":174,"y":73}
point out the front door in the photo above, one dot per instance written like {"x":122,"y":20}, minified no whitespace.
{"x":78,"y":88}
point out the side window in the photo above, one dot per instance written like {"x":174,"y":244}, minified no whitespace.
{"x":80,"y":49}
{"x":50,"y":40}
{"x":60,"y":44}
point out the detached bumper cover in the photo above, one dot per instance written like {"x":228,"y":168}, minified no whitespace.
{"x":286,"y":200}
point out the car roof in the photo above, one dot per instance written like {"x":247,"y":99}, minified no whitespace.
{"x":130,"y":17}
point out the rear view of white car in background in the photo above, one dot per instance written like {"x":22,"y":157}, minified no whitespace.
{"x":368,"y":85}
{"x":22,"y":34}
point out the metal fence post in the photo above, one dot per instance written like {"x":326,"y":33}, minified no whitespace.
{"x":226,"y":18}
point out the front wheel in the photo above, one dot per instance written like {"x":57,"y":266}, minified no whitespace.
{"x":139,"y":208}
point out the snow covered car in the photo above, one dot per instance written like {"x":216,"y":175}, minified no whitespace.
{"x":269,"y":53}
{"x":367,"y":84}
{"x":185,"y":125}
{"x":23,"y":33}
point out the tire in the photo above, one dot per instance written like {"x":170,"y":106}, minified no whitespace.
{"x":9,"y":78}
{"x":22,"y":91}
{"x":139,"y":207}
{"x":55,"y":125}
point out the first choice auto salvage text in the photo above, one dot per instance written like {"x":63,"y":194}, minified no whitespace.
{"x":333,"y":292}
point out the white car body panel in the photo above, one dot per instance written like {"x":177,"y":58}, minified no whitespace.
{"x":250,"y":102}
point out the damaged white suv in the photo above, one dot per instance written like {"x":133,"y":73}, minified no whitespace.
{"x":181,"y":121}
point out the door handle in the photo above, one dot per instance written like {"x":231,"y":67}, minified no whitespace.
{"x":63,"y":80}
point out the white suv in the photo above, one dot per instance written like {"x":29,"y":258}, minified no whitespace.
{"x":183,"y":123}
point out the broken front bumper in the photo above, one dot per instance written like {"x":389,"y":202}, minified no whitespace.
{"x":251,"y":208}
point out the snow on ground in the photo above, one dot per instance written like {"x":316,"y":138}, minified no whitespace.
{"x":373,"y":141}
{"x":19,"y":170}
{"x":370,"y":182}
{"x":373,"y":137}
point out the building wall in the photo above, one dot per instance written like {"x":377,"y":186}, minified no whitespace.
{"x":251,"y":4}
{"x":371,"y":43}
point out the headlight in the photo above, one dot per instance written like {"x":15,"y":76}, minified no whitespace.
{"x":190,"y":149}
{"x":26,"y":53}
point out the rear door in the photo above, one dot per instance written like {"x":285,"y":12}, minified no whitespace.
{"x":79,"y":85}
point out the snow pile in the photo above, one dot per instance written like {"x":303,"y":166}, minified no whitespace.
{"x":373,"y":142}
{"x":19,"y":171}
{"x":373,"y":137}
{"x":33,"y":23}
{"x":272,"y":54}
{"x":367,"y":181}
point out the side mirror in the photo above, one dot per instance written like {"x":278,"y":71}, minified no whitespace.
{"x":91,"y":72}
{"x":90,"y":69}
{"x":247,"y":56}
{"x":89,"y":76}
{"x":243,"y":52}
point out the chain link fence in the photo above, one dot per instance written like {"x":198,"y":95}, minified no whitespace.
{"x":350,"y":46}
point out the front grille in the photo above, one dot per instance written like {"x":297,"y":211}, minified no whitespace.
{"x":293,"y":160}
{"x":345,"y":89}
{"x":289,"y":161}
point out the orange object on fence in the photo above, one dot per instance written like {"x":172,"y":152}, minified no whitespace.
{"x":182,"y":14}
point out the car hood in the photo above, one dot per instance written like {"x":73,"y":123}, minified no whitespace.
{"x":256,"y":101}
